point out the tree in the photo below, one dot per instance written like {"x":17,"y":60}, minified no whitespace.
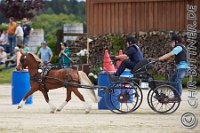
{"x":20,"y":9}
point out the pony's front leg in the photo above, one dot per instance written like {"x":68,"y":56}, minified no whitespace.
{"x":22,"y":102}
{"x":51,"y":106}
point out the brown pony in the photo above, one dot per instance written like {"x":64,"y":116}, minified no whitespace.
{"x":53,"y":80}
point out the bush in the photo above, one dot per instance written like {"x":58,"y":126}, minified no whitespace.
{"x":117,"y":43}
{"x":3,"y":26}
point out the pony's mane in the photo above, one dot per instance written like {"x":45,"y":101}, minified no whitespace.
{"x":36,"y":57}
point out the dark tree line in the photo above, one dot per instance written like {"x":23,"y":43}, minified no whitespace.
{"x":65,"y":7}
{"x":20,"y":9}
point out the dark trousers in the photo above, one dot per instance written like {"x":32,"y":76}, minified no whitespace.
{"x":125,"y":64}
{"x":12,"y":42}
{"x":7,"y":66}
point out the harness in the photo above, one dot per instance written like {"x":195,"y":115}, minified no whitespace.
{"x":68,"y":80}
{"x":42,"y":77}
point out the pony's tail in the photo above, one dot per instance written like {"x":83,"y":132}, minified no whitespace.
{"x":84,"y":80}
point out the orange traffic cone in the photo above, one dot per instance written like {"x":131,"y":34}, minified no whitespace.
{"x":119,"y":61}
{"x":107,"y":64}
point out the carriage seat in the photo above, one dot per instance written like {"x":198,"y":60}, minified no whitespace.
{"x":141,"y":66}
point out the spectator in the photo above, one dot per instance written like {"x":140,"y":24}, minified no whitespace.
{"x":11,"y":34}
{"x":45,"y":53}
{"x":65,"y":55}
{"x":26,"y":49}
{"x":12,"y":60}
{"x":4,"y":41}
{"x":3,"y":56}
{"x":19,"y":34}
{"x":27,"y":31}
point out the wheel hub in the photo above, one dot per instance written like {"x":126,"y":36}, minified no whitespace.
{"x":123,"y":97}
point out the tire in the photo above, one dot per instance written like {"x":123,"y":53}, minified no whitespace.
{"x":149,"y":98}
{"x":128,"y":98}
{"x":163,"y":99}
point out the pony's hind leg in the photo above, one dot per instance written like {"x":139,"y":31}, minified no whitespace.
{"x":68,"y":98}
{"x":51,"y":106}
{"x":22,"y":102}
{"x":86,"y":105}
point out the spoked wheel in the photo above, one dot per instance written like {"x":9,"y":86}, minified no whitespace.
{"x":164,"y":99}
{"x":149,"y":98}
{"x":125,"y":97}
{"x":108,"y":101}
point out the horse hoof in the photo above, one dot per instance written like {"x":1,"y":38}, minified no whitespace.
{"x":58,"y":110}
{"x":87,"y":111}
{"x":53,"y":111}
{"x":19,"y":107}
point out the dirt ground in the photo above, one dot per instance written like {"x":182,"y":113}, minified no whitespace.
{"x":35,"y":118}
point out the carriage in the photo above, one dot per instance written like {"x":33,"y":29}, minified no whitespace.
{"x":162,"y":97}
{"x":125,"y":91}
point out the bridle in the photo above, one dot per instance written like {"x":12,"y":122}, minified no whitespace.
{"x":22,"y":60}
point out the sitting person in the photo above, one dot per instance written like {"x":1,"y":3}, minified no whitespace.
{"x":26,"y":49}
{"x":133,"y":53}
{"x":4,"y":41}
{"x":3,"y":56}
{"x":12,"y":60}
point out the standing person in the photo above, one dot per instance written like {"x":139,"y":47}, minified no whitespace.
{"x":45,"y":53}
{"x":11,"y":34}
{"x":134,"y":55}
{"x":180,"y":53}
{"x":19,"y":34}
{"x":3,"y":56}
{"x":65,"y":55}
{"x":27,"y":31}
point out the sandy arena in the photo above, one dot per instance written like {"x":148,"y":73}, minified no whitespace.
{"x":35,"y":118}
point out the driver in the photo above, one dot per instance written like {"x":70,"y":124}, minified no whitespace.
{"x":133,"y":53}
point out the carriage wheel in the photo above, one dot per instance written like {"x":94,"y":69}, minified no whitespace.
{"x":126,"y":97}
{"x":163,"y":99}
{"x":149,"y":98}
{"x":108,"y":103}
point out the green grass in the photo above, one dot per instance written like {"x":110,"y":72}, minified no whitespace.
{"x":6,"y":76}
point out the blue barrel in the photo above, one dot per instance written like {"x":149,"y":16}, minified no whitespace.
{"x":20,"y":86}
{"x":103,"y":80}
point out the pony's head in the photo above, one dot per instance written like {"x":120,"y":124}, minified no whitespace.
{"x":29,"y":60}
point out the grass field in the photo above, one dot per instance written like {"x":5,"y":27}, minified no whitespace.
{"x":6,"y":75}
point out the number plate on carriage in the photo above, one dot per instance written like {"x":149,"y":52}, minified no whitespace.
{"x":144,"y":85}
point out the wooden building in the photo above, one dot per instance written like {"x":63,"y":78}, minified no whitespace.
{"x":128,"y":16}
